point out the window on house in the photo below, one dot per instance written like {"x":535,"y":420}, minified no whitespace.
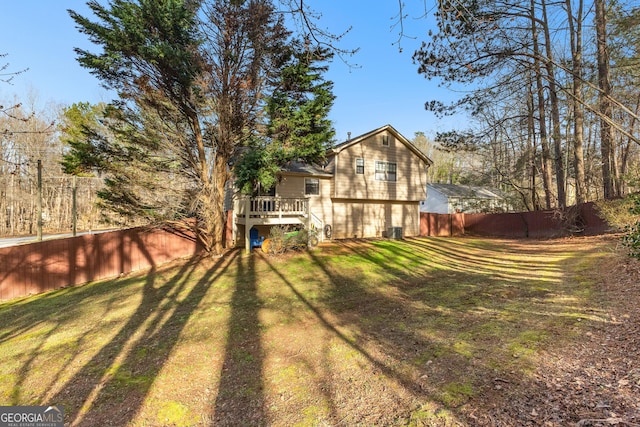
{"x":311,"y":186}
{"x":385,"y":140}
{"x":360,"y":166}
{"x":386,"y":171}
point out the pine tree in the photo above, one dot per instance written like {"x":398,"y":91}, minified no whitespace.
{"x":190,"y":77}
{"x":298,"y":127}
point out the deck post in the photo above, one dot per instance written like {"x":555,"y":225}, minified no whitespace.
{"x":308,"y":225}
{"x":247,"y":225}
{"x":234,"y":227}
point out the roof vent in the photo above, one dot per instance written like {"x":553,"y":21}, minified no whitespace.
{"x":348,"y":136}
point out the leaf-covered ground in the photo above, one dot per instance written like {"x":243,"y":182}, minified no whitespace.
{"x":592,"y":379}
{"x":434,"y":332}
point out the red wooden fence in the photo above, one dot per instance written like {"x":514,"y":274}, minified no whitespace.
{"x":537,"y":224}
{"x":52,"y":264}
{"x":441,"y":225}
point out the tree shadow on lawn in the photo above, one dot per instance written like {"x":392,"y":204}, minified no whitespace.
{"x":442,"y":336}
{"x":41,"y":319}
{"x":112,"y":386}
{"x":457,"y":256}
{"x":45,"y":326}
{"x":427,"y":339}
{"x":240,"y":398}
{"x":325,"y":314}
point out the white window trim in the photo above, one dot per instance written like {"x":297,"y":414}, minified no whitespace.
{"x":305,"y":187}
{"x":375,"y":170}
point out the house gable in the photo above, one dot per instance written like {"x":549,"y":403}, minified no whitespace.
{"x":379,"y":165}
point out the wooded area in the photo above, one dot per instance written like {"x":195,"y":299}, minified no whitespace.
{"x":552,"y":92}
{"x":26,"y":138}
{"x":19,"y":204}
{"x":550,"y":100}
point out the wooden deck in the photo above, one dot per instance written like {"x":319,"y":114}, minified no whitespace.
{"x":272,"y":211}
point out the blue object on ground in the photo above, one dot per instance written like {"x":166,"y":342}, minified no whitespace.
{"x":256,"y":241}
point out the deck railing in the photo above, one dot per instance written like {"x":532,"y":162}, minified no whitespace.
{"x":266,"y":206}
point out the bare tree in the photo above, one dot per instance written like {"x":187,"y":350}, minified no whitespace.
{"x":28,"y":137}
{"x":6,"y":75}
{"x":575,"y":35}
{"x":605,"y":106}
{"x":491,"y":43}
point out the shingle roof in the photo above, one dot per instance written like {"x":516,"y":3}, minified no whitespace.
{"x":467,"y":191}
{"x":305,"y":169}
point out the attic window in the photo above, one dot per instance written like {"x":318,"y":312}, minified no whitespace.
{"x":385,"y":140}
{"x":360,"y":166}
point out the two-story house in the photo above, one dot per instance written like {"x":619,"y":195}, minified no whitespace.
{"x":370,"y":186}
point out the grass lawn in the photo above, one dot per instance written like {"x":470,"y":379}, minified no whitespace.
{"x":373,"y":332}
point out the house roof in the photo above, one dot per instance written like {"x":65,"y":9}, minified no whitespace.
{"x":336,"y":149}
{"x":466,"y":191}
{"x":299,"y":168}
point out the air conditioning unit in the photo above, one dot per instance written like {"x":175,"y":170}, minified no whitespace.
{"x":394,"y":233}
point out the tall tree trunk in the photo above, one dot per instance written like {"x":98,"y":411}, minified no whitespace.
{"x":575,"y":33}
{"x":615,"y":168}
{"x":221,"y":176}
{"x":626,"y":149}
{"x":555,"y":111}
{"x":531,"y":139}
{"x":546,"y":165}
{"x":605,"y":107}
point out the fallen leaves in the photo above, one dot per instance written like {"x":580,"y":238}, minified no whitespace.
{"x":591,"y":381}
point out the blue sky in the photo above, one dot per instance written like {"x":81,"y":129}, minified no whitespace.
{"x":381,"y":85}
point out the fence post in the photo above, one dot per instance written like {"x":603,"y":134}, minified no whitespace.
{"x":74,"y":206}
{"x":39,"y":202}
